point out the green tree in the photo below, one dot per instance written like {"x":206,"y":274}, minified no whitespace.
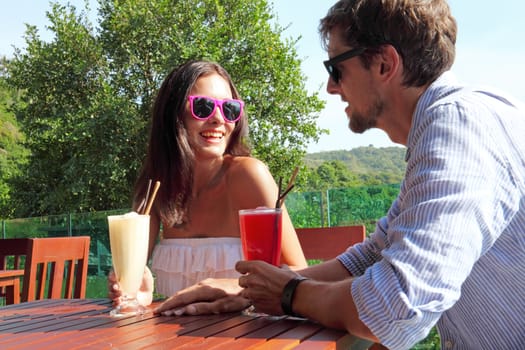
{"x":87,"y":93}
{"x":368,"y":165}
{"x":12,"y":152}
{"x":329,"y":174}
{"x":78,"y":127}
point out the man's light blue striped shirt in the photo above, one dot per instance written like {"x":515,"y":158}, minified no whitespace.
{"x":451,"y":249}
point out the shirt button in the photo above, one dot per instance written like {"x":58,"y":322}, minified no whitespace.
{"x":449,"y":344}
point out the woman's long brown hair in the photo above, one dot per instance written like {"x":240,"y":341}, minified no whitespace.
{"x":169,"y":157}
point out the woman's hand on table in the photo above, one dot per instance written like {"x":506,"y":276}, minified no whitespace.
{"x":210,"y":296}
{"x":144,"y":295}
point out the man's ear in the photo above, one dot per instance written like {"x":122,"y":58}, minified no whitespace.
{"x":389,"y":62}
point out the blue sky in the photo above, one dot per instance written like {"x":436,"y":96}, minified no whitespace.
{"x":490,"y":51}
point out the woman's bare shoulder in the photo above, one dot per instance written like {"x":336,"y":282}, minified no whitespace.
{"x":250,"y":174}
{"x":243,"y":166}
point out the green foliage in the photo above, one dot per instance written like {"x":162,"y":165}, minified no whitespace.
{"x":363,"y":166}
{"x":363,"y":204}
{"x":330,"y":174}
{"x":340,"y":207}
{"x":306,"y":209}
{"x":368,"y":166}
{"x":343,"y":187}
{"x":12,"y":152}
{"x":87,"y":94}
{"x":431,"y":342}
{"x":96,"y":287}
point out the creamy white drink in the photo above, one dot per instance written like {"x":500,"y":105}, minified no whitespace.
{"x":129,"y":239}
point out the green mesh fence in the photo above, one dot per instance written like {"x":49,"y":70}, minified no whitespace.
{"x":340,"y":207}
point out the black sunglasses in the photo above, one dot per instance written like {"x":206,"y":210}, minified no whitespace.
{"x":203,"y":107}
{"x":334,"y":72}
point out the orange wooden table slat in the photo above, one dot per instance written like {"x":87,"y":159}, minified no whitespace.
{"x":85,"y":324}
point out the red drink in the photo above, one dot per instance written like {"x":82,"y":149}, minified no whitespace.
{"x":261,"y":231}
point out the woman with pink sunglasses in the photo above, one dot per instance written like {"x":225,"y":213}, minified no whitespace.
{"x":198,"y":150}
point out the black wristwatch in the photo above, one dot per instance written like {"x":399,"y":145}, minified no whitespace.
{"x":288,"y":293}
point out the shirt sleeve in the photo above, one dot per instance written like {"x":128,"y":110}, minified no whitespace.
{"x":453,"y":204}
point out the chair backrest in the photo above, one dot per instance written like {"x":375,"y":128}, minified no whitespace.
{"x":12,"y":257}
{"x":12,"y":253}
{"x":324,"y":243}
{"x":64,"y":260}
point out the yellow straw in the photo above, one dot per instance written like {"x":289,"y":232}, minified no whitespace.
{"x":152,"y":198}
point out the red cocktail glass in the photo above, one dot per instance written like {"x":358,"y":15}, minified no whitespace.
{"x":261,"y":231}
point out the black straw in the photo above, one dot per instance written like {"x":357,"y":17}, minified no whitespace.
{"x":281,"y":197}
{"x":278,"y":202}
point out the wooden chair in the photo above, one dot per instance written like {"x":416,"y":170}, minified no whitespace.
{"x":12,"y":258}
{"x":324,"y":243}
{"x":54,"y":268}
{"x":67,"y":258}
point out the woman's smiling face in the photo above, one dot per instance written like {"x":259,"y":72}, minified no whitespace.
{"x":209,"y":138}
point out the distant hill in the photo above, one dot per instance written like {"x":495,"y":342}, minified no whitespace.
{"x":364,"y":160}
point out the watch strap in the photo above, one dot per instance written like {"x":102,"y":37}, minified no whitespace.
{"x":288,"y":294}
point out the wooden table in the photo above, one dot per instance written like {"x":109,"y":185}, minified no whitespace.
{"x":86,"y":324}
{"x":10,"y":279}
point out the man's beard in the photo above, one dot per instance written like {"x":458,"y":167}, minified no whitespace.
{"x":361,"y":122}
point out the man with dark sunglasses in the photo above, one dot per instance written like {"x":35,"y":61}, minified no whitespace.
{"x":449,"y":253}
